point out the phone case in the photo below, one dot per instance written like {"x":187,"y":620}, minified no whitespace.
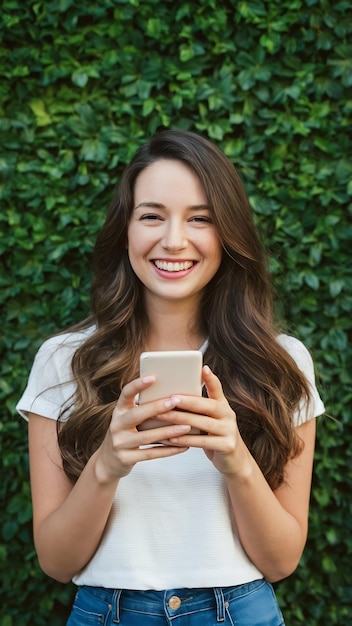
{"x":176,"y":372}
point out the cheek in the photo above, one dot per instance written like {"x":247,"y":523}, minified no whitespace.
{"x":132,"y":239}
{"x":138,"y":245}
{"x":134,"y":261}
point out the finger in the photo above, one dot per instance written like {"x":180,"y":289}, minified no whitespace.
{"x":158,"y":435}
{"x":192,"y":441}
{"x":219,"y":422}
{"x":156,"y":452}
{"x":132,"y":417}
{"x":132,"y":389}
{"x":189,"y":408}
{"x":197,"y":420}
{"x":212,"y":383}
{"x":222,"y":445}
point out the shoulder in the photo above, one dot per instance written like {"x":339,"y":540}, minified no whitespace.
{"x":64,"y":345}
{"x":301,"y":355}
{"x":50,"y":384}
{"x":298,"y":351}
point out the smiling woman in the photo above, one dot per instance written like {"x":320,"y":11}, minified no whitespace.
{"x":195,"y":528}
{"x":171,"y":235}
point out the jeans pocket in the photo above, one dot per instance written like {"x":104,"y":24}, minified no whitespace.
{"x":257,"y":607}
{"x":89,"y":610}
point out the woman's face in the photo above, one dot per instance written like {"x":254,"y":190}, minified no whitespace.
{"x":173,"y":245}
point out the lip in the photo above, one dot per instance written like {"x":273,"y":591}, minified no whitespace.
{"x":173,"y":268}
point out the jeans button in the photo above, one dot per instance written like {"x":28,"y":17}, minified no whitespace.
{"x":174,"y":603}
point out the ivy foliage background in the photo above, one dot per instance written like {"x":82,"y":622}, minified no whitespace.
{"x":82,"y":84}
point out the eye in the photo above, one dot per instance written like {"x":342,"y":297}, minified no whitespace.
{"x":150,"y":217}
{"x":201,"y":219}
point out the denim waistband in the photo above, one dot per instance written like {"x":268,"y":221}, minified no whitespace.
{"x":172,"y":602}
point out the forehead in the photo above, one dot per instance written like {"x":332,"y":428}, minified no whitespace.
{"x":169,"y":180}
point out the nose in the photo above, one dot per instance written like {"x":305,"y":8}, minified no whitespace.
{"x":174,"y":237}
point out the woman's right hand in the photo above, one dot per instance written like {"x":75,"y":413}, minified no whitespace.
{"x":124,"y":445}
{"x":70,"y":519}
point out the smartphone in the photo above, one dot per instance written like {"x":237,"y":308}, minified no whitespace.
{"x":176,"y":372}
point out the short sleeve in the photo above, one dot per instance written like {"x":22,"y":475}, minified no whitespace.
{"x":303,"y":359}
{"x":50,"y":386}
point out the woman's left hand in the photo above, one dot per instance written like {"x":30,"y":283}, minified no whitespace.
{"x":272,"y":525}
{"x":215,"y":419}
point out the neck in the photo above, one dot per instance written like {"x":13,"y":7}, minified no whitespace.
{"x":173,"y":327}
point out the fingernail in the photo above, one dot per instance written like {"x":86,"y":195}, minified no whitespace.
{"x":148,"y":379}
{"x":171,"y":402}
{"x":181,"y":428}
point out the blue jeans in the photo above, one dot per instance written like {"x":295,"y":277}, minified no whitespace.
{"x":251,"y":604}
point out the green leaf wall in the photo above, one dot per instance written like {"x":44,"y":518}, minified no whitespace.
{"x":82,"y":85}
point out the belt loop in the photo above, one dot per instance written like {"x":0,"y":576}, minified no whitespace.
{"x":220,"y":604}
{"x":115,"y":615}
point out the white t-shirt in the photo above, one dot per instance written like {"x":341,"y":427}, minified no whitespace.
{"x":171,"y":523}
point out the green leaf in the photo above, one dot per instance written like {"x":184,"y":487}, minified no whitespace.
{"x":9,"y":530}
{"x":186,"y":53}
{"x":94,"y":150}
{"x":335,"y":287}
{"x":79,"y":78}
{"x":153,"y":27}
{"x":312,"y":280}
{"x":148,"y":107}
{"x":246,"y":79}
{"x":38,"y":108}
{"x":328,"y":564}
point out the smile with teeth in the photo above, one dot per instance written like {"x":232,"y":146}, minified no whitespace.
{"x":169,"y":266}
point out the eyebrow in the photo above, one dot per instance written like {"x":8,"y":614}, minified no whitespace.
{"x":158,"y":205}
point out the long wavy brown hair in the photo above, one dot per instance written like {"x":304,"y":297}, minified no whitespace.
{"x":261,"y":381}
